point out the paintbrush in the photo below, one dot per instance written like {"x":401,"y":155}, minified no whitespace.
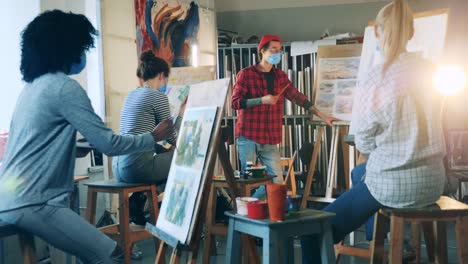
{"x":284,"y":90}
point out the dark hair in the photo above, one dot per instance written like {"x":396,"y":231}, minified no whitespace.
{"x":263,"y":48}
{"x":150,"y":66}
{"x":54,"y":41}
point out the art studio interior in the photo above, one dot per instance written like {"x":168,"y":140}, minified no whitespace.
{"x":233,"y":131}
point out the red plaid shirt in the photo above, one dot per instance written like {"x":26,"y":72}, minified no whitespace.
{"x":262,"y":123}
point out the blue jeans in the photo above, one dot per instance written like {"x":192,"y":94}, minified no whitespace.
{"x":65,"y":230}
{"x":352,"y":209}
{"x":357,"y":176}
{"x":142,"y":167}
{"x":267,"y":154}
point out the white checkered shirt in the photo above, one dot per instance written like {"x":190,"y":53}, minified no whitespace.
{"x":398,"y":126}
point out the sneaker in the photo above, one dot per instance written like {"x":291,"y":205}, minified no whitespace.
{"x":409,"y":254}
{"x":139,"y":219}
{"x":137,"y":254}
{"x":137,"y":204}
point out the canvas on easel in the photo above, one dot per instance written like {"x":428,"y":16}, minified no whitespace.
{"x":337,"y":70}
{"x":183,"y":183}
{"x":337,"y":73}
{"x":189,"y":169}
{"x":180,"y":81}
{"x":430,"y":29}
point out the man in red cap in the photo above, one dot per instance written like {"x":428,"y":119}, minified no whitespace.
{"x":259,"y":99}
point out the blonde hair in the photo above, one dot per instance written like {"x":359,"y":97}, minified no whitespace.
{"x":396,"y":22}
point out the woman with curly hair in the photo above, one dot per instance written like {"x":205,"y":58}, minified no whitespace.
{"x":36,"y":177}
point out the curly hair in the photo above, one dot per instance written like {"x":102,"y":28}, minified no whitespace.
{"x":150,"y":66}
{"x":54,"y":41}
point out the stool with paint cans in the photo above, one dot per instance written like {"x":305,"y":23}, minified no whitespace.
{"x":303,"y":223}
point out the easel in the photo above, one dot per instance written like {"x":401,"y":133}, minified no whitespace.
{"x":219,"y":137}
{"x":339,"y":130}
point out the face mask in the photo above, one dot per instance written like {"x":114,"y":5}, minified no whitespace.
{"x":163,"y":88}
{"x":78,"y":67}
{"x":274,"y":58}
{"x":377,"y":46}
{"x":379,"y":51}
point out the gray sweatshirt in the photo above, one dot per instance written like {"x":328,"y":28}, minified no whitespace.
{"x":40,"y":158}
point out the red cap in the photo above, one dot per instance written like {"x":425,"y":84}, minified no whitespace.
{"x":267,"y":38}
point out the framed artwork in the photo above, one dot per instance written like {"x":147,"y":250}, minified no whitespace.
{"x":169,"y":28}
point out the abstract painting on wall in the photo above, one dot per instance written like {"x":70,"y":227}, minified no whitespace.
{"x":169,"y":28}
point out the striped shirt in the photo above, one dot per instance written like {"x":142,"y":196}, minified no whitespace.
{"x":398,"y":126}
{"x":144,"y":108}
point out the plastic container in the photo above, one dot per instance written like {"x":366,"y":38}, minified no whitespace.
{"x":241,"y":203}
{"x":276,"y":195}
{"x":257,"y":210}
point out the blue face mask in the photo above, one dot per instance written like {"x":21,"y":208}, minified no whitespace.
{"x":78,"y":67}
{"x":274,"y":58}
{"x":163,"y":88}
{"x":379,"y":51}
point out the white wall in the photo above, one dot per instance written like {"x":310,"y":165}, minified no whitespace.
{"x":17,"y":14}
{"x":13,"y":22}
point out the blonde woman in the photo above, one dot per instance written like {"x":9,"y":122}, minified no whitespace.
{"x":398,"y":129}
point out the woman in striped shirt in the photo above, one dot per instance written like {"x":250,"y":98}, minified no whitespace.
{"x":144,"y":108}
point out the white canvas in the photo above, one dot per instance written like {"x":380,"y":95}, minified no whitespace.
{"x":211,"y":93}
{"x":180,"y":81}
{"x":429,"y":39}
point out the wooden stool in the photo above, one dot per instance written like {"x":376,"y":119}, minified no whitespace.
{"x":26,"y":242}
{"x":307,"y":222}
{"x":245,"y":186}
{"x":123,"y":232}
{"x":432,"y":219}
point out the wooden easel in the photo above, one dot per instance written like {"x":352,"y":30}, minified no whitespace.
{"x":220,"y":136}
{"x":339,"y":130}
